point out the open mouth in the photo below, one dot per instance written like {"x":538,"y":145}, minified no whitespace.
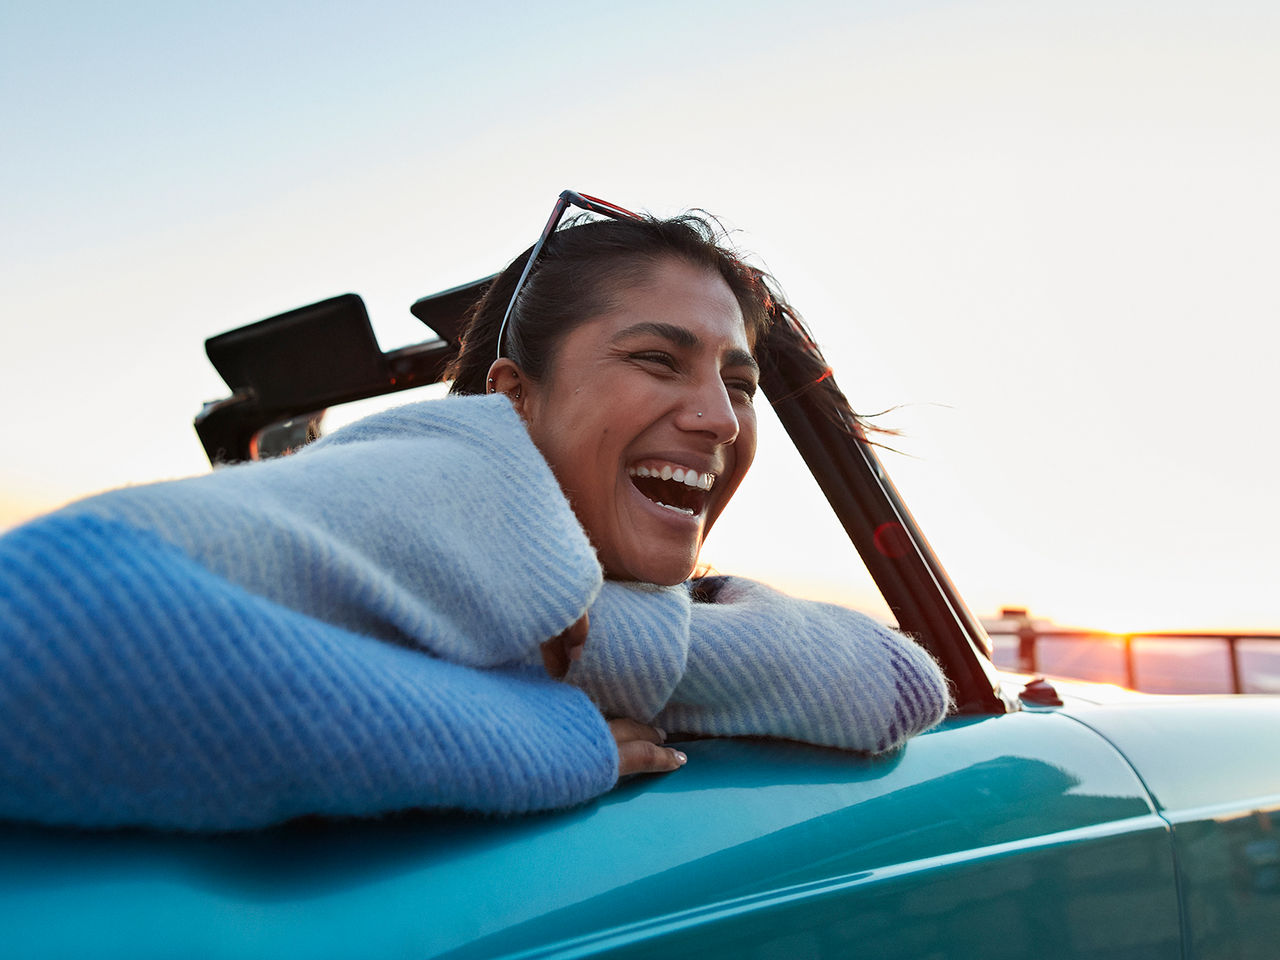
{"x":676,"y":488}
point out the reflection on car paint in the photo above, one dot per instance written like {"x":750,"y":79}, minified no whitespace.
{"x":1024,"y":821}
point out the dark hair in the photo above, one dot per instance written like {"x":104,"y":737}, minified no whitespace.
{"x":580,"y":273}
{"x":582,"y":270}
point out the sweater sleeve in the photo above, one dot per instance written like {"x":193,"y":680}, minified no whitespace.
{"x":637,"y":649}
{"x":755,"y":662}
{"x":436,"y":525}
{"x":139,"y":688}
{"x":764,"y":663}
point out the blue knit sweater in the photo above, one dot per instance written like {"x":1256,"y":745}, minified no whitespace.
{"x":354,"y":629}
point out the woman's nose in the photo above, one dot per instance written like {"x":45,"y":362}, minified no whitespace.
{"x":710,"y":410}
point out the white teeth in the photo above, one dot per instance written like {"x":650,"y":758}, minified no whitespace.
{"x":690,"y":478}
{"x":685,"y":510}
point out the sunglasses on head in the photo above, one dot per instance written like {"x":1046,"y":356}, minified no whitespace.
{"x":563,"y":202}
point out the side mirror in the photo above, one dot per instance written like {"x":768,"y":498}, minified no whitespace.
{"x":315,"y":351}
{"x":290,"y":366}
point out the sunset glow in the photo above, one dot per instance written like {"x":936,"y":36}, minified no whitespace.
{"x":1042,"y":236}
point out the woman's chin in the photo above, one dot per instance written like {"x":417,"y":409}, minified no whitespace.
{"x":661,"y":570}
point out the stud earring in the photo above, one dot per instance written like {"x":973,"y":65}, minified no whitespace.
{"x":491,"y":386}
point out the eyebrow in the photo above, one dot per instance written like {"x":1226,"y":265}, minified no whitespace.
{"x":682,"y":337}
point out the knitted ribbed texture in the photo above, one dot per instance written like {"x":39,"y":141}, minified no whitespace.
{"x":138,"y":688}
{"x":637,"y":648}
{"x":211,"y":653}
{"x":757,"y":662}
{"x":432,"y":524}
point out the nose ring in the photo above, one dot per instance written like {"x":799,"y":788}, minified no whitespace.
{"x":699,"y":414}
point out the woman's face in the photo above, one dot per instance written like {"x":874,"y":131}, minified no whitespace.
{"x":646,"y":419}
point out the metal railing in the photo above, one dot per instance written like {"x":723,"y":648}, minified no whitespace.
{"x":1028,"y":658}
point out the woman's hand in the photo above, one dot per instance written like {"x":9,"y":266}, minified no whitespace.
{"x":562,"y":650}
{"x":640,"y":750}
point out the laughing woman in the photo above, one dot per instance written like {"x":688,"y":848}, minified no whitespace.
{"x":378,"y":622}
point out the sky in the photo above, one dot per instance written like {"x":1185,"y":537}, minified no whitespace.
{"x":1042,"y":236}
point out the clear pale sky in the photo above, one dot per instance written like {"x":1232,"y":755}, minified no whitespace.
{"x":1047,"y":232}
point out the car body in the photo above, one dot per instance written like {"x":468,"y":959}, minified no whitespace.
{"x":1041,"y":819}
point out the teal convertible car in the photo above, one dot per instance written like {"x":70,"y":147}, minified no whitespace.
{"x":1042,"y":819}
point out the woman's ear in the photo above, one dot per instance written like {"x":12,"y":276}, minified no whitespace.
{"x":506,"y":377}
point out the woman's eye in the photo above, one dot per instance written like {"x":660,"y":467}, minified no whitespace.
{"x":655,"y":356}
{"x":743,"y":389}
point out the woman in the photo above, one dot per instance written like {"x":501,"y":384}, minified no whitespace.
{"x":365,"y":626}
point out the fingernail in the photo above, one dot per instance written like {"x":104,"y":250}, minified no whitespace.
{"x":680,"y":757}
{"x":662,"y":734}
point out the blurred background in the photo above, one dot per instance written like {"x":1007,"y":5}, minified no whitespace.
{"x":1043,"y":236}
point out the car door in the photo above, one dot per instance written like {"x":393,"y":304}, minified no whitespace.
{"x":1017,"y":835}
